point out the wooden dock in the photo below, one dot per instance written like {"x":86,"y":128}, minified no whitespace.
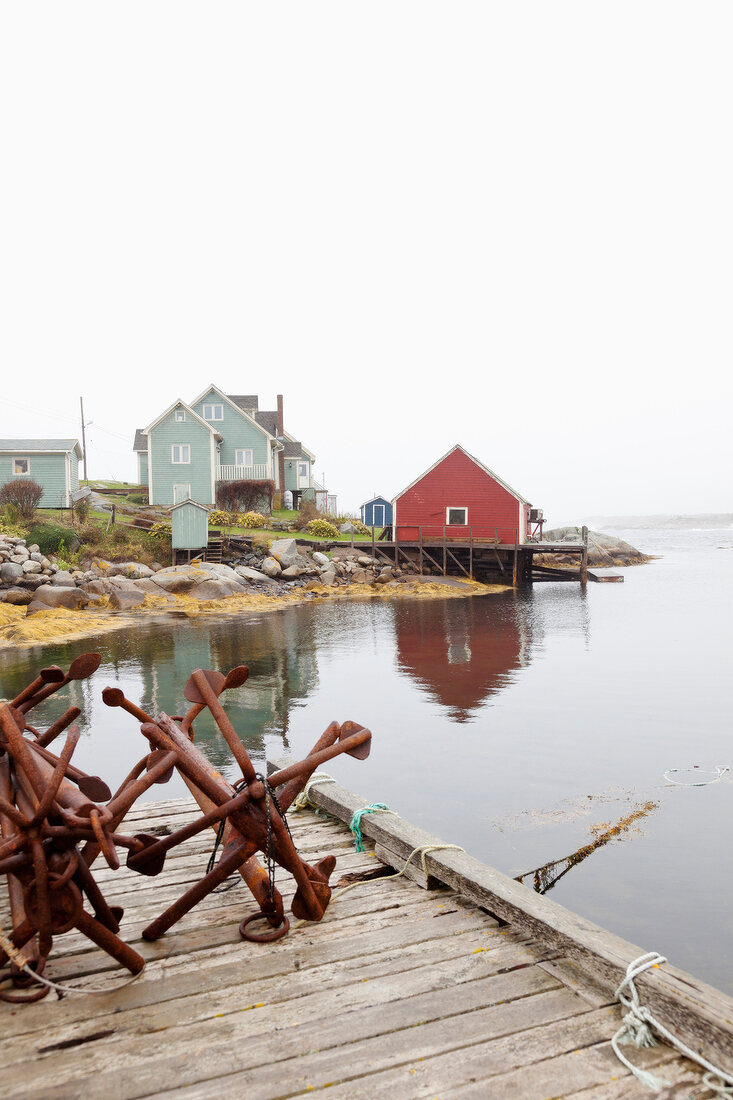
{"x":400,"y":991}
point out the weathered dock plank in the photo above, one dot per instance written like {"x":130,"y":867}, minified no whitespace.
{"x":399,"y":991}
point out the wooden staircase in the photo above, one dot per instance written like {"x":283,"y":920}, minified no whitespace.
{"x":214,"y":546}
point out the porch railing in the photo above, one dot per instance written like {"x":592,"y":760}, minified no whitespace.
{"x":256,"y":472}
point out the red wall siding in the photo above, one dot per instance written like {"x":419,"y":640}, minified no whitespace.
{"x":457,"y":482}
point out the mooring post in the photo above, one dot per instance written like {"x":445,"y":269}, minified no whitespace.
{"x":444,"y":553}
{"x":516,"y":558}
{"x":584,"y":558}
{"x":470,"y":552}
{"x":420,"y":530}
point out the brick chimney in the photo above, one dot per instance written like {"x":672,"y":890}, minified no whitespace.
{"x":280,"y":433}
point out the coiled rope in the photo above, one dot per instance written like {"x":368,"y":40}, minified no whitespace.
{"x":11,"y":951}
{"x":637,"y":1029}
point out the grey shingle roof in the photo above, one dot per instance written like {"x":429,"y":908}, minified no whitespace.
{"x":292,"y":449}
{"x":245,"y":401}
{"x":38,"y":444}
{"x":141,"y":440}
{"x":267,"y":420}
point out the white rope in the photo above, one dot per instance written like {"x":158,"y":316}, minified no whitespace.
{"x":637,"y":1029}
{"x":720,"y":769}
{"x":302,"y":801}
{"x":10,"y":950}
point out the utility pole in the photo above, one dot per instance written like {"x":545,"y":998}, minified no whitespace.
{"x":83,"y":438}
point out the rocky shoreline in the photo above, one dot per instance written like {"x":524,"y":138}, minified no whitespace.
{"x":42,"y":602}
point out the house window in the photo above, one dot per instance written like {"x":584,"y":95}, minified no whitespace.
{"x":180,"y":453}
{"x":213,"y":412}
{"x":456,"y":517}
{"x":243,"y":458}
{"x":180,"y":415}
{"x":21,"y":466}
{"x":303,"y":469}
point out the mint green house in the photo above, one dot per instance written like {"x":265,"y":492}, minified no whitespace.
{"x":190,"y":449}
{"x":52,"y":463}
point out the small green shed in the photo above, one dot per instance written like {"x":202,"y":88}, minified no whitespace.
{"x":190,"y":526}
{"x":51,"y":463}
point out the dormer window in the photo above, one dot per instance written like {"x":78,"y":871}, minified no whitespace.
{"x":213,"y":412}
{"x":180,"y":415}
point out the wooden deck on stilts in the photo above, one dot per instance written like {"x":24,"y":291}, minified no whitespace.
{"x":399,"y":991}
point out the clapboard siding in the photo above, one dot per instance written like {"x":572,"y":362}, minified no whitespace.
{"x":238,"y":432}
{"x":458,"y":481}
{"x":57,"y":472}
{"x":198,"y":473}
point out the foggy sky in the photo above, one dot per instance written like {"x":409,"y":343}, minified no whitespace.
{"x":505,"y":226}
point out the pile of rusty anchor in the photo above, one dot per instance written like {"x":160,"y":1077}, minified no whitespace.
{"x":53,"y":825}
{"x":53,"y":828}
{"x":250,"y":813}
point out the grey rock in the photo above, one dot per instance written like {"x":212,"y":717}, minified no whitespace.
{"x":133,"y":570}
{"x":271,"y":567}
{"x":64,"y":578}
{"x":366,"y":561}
{"x":181,"y":578}
{"x":10,"y":571}
{"x":125,"y":599}
{"x":217,"y":590}
{"x":285,"y":551}
{"x":347,"y":528}
{"x":253,"y":575}
{"x":321,"y":559}
{"x":328,"y":576}
{"x":33,"y":548}
{"x":49,"y":595}
{"x":31,"y":566}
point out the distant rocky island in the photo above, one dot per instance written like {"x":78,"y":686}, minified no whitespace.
{"x":703,"y":520}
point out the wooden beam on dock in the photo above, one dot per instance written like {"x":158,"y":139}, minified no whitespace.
{"x":700,"y":1015}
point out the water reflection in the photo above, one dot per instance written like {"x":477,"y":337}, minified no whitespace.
{"x":462,"y":651}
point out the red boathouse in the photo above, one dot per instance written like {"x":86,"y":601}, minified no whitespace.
{"x":460,"y":498}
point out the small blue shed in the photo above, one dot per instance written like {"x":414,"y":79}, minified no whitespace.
{"x":52,"y":463}
{"x":377,"y":512}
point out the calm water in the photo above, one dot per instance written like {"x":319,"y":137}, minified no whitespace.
{"x":524,"y":728}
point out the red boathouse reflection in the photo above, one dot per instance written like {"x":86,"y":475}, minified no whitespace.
{"x":461,"y":651}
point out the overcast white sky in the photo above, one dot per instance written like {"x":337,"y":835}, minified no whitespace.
{"x":502,"y":225}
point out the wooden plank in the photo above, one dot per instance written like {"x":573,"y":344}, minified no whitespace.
{"x":700,"y":1015}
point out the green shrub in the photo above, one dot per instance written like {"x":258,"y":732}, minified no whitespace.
{"x":160,"y":532}
{"x":50,"y":537}
{"x":23,"y":494}
{"x":137,"y":498}
{"x":322,"y":528}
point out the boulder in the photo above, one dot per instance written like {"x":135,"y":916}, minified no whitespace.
{"x":365,"y":561}
{"x":347,"y":529}
{"x":133,"y":570}
{"x":253,"y":575}
{"x":385,"y":575}
{"x":328,"y":576}
{"x":181,"y":578}
{"x":217,"y":590}
{"x":321,"y":559}
{"x":30,"y":566}
{"x":49,"y":595}
{"x":17,"y":596}
{"x":124,"y":599}
{"x":10,"y":571}
{"x":64,"y":578}
{"x":285,"y":551}
{"x":98,"y":587}
{"x":271,"y":567}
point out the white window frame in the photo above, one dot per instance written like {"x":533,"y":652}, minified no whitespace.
{"x":180,"y":447}
{"x":455,"y":508}
{"x":180,"y":415}
{"x":244,"y":451}
{"x":213,"y":412}
{"x":21,"y":473}
{"x":303,"y":469}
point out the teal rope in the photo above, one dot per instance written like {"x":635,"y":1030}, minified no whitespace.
{"x":355,"y":823}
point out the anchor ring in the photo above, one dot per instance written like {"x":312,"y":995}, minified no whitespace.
{"x":263,"y":937}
